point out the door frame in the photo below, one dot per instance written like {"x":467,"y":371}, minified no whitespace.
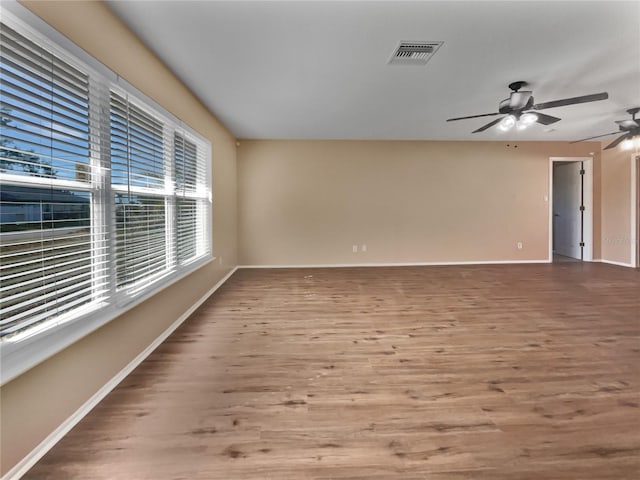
{"x":587,"y":222}
{"x":635,"y":205}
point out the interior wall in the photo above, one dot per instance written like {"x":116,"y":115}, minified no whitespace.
{"x":38,"y":401}
{"x":617,"y":238}
{"x":308,"y":202}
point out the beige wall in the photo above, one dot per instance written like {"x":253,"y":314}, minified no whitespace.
{"x":616,"y":205}
{"x":308,"y":202}
{"x":37,"y":402}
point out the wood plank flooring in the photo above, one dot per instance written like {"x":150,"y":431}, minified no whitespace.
{"x":439,"y":373}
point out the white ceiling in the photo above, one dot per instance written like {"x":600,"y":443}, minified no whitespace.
{"x":319,"y":69}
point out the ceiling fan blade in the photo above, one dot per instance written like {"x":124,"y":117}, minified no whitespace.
{"x":596,"y":136}
{"x":488,"y":125}
{"x":572,"y":101}
{"x":473,"y":116}
{"x":617,"y":141}
{"x":544,"y":119}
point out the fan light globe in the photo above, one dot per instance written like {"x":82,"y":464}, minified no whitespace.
{"x":528,"y":119}
{"x":627,"y":144}
{"x":507,"y":123}
{"x":630,"y":143}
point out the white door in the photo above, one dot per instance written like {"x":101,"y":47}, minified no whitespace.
{"x":567,"y":218}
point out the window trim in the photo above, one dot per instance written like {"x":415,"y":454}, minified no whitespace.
{"x":25,"y":350}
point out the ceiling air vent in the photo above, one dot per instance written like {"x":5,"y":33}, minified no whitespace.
{"x":414,"y":53}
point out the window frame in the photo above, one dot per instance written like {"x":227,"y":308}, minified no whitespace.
{"x":198,"y":193}
{"x":23,"y":351}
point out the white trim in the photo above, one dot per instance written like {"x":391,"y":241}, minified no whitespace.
{"x":635,"y":262}
{"x":588,"y":203}
{"x":619,"y":264}
{"x":402,"y":264}
{"x":54,"y":437}
{"x":587,"y":225}
{"x":20,"y":180}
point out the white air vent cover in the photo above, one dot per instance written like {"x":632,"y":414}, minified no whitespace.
{"x":414,"y":53}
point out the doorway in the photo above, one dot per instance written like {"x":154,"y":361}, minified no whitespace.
{"x":570,"y":209}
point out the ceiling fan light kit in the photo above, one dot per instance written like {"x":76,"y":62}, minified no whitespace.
{"x":630,"y":143}
{"x":510,"y":121}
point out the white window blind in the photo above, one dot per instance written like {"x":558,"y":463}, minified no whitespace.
{"x":103,"y":196}
{"x":140,"y":238}
{"x":137,"y":147}
{"x":49,"y":258}
{"x":192,"y":198}
{"x":140,"y":175}
{"x":45,"y":111}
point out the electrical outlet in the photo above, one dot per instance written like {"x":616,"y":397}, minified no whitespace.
{"x":354,"y":248}
{"x":519,"y":245}
{"x":363,"y":248}
{"x":220,"y":260}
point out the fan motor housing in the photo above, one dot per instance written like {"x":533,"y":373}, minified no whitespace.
{"x":517,"y":102}
{"x":627,"y":125}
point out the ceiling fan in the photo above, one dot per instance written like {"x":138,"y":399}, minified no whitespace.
{"x":518,"y":109}
{"x":631,"y":129}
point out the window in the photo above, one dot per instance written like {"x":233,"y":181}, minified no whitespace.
{"x":192,"y":198}
{"x":45,"y":229}
{"x":46,"y":255}
{"x":104,"y":197}
{"x":139,"y":168}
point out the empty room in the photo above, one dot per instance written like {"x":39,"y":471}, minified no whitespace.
{"x":319,"y":240}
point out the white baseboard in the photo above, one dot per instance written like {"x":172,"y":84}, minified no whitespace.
{"x":54,"y":437}
{"x":402,"y":264}
{"x":611,"y":262}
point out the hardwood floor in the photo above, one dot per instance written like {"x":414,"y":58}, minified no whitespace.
{"x":441,"y":373}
